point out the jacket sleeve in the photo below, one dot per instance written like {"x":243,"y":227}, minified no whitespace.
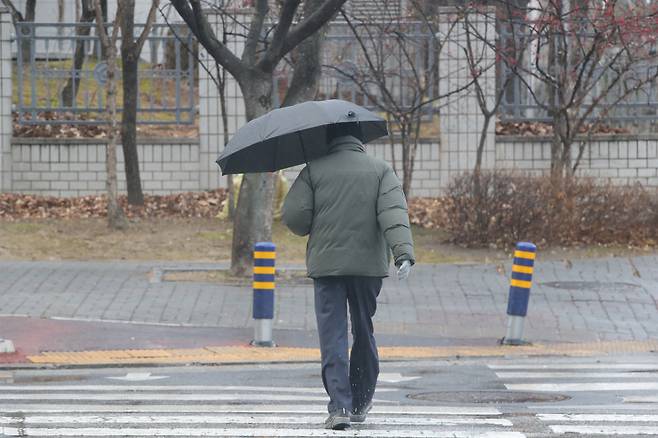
{"x":298,"y":206}
{"x":393,"y":217}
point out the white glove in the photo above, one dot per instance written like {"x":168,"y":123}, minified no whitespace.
{"x":404,"y":270}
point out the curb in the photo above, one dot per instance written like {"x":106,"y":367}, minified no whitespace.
{"x":232,"y":355}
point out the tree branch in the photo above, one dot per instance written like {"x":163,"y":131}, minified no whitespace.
{"x":147,"y":27}
{"x":283,"y":26}
{"x":200,"y":27}
{"x":102,"y":32}
{"x":15,"y":13}
{"x":302,"y":31}
{"x":255,"y":29}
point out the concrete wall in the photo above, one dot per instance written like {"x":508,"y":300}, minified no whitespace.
{"x":6,"y":27}
{"x":620,"y":159}
{"x":77,"y":167}
{"x":71,"y":167}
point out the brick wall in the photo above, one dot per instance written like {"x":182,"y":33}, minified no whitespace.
{"x":71,"y":167}
{"x":619,"y":159}
{"x":77,"y":167}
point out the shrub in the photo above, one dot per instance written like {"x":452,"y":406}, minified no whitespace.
{"x":510,"y":207}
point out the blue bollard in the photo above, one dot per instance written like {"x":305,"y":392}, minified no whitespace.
{"x":263,"y":286}
{"x":519,"y":292}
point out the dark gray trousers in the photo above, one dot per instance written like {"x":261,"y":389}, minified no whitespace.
{"x":349,"y":383}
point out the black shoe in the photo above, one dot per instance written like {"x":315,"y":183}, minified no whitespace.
{"x":338,"y":420}
{"x":358,"y":415}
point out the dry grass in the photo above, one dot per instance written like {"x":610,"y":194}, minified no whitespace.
{"x":209,"y":240}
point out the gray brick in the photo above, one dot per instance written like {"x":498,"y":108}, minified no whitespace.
{"x":162,"y":176}
{"x":171,"y":185}
{"x":77,"y":167}
{"x":68,"y":176}
{"x":96,"y":185}
{"x":152,"y":185}
{"x":173,"y":166}
{"x":59,"y":185}
{"x":190,"y":185}
{"x":87,"y":176}
{"x":40,"y":185}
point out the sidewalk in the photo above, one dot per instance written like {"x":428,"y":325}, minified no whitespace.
{"x":591,"y":300}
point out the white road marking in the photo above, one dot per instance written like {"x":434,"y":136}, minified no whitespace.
{"x":593,"y":386}
{"x":170,"y":388}
{"x":612,"y":408}
{"x":194,"y":432}
{"x":265,"y":409}
{"x":606,"y":430}
{"x":570,"y":375}
{"x":243,"y":419}
{"x":641,"y":399}
{"x":577,"y":366}
{"x":395,"y":378}
{"x":136,"y":377}
{"x":621,"y":418}
{"x":162,"y":397}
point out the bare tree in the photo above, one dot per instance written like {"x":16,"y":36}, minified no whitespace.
{"x":70,"y":90}
{"x":486,"y":53}
{"x":131,"y":50}
{"x":115,"y":215}
{"x":267,"y":41}
{"x":16,"y":16}
{"x":586,"y":58}
{"x":396,"y":71}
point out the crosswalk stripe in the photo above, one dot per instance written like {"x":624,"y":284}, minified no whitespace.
{"x":606,"y":430}
{"x":168,"y":397}
{"x":576,"y":387}
{"x":598,"y":417}
{"x":641,"y":399}
{"x":203,"y":388}
{"x":571,"y":375}
{"x":576,"y":366}
{"x":265,"y":409}
{"x":600,"y":408}
{"x":245,"y":419}
{"x":269,"y":432}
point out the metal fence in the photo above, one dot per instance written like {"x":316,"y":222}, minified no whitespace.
{"x":50,"y":87}
{"x":346,"y":74}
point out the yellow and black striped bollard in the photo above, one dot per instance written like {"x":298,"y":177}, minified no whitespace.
{"x":519,"y":292}
{"x":263,"y":286}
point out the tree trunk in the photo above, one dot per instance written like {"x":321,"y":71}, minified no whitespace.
{"x":129,"y":128}
{"x":556,"y":162}
{"x":477,"y":171}
{"x":406,"y":169}
{"x":115,"y":216}
{"x":253,"y":215}
{"x":70,"y":90}
{"x":129,"y":66}
{"x":26,"y":43}
{"x":221,"y":75}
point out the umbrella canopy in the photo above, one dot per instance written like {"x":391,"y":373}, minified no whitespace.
{"x":294,"y":135}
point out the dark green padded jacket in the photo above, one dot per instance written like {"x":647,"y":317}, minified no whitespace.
{"x":353,"y":208}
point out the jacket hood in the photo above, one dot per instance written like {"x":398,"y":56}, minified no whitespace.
{"x":346,"y":143}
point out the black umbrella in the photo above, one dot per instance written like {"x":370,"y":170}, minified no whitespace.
{"x":294,"y":135}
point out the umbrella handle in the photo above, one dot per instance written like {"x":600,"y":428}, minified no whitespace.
{"x":308,"y":165}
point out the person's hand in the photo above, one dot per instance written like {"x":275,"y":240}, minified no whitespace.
{"x":404,"y":270}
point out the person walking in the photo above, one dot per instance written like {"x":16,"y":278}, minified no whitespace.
{"x":354,"y":210}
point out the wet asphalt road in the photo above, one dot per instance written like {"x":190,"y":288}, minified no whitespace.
{"x":502,"y":398}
